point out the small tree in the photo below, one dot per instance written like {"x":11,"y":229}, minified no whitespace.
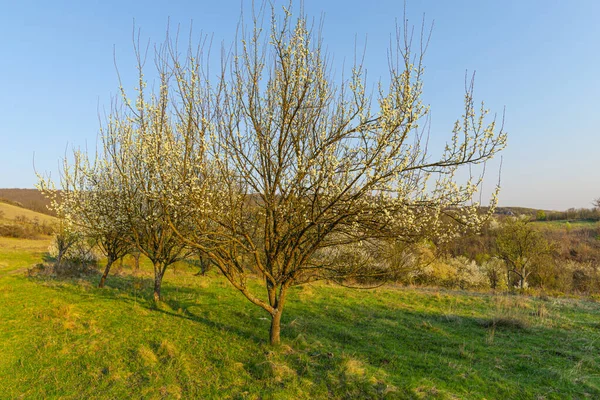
{"x":540,"y":215}
{"x":141,"y":144}
{"x":88,"y":202}
{"x":494,"y":268}
{"x":65,"y":237}
{"x":305,"y":166}
{"x":522,"y":248}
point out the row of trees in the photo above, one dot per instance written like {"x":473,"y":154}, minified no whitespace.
{"x":589,"y":214}
{"x":274,"y":167}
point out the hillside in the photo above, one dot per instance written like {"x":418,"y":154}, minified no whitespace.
{"x":31,"y":199}
{"x":21,"y":223}
{"x":9,"y":212}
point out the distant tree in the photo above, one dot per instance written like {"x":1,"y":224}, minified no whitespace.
{"x":522,"y":248}
{"x":540,"y":215}
{"x":304,"y":169}
{"x":87,"y":200}
{"x":494,"y":268}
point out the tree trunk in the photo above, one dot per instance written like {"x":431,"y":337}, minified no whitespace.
{"x":136,"y":258}
{"x":275,"y":328}
{"x":277,"y":302}
{"x":109,"y":263}
{"x":158,"y":275}
{"x":59,"y":256}
{"x":523,"y":276}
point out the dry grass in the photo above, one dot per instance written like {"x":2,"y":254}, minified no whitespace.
{"x":24,"y":245}
{"x":147,"y":356}
{"x":10,"y":212}
{"x":167,"y":349}
{"x":354,"y":367}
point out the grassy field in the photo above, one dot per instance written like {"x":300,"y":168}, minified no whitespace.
{"x":562,"y":224}
{"x":64,"y":338}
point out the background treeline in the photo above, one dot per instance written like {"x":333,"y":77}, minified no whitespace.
{"x":25,"y":228}
{"x":589,"y":214}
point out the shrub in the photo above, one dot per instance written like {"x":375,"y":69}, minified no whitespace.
{"x":70,"y":247}
{"x":494,"y":270}
{"x":465,"y":274}
{"x":17,"y":231}
{"x":450,"y":272}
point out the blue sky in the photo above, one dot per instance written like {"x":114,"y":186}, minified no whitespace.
{"x":539,"y":59}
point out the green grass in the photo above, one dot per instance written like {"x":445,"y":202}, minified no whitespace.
{"x":67,"y":339}
{"x":562,"y":224}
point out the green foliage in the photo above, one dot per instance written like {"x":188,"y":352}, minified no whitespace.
{"x":540,"y":215}
{"x":522,"y":248}
{"x":495,"y":271}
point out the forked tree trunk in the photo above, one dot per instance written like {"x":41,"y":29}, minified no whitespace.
{"x":277,"y":302}
{"x":109,"y":263}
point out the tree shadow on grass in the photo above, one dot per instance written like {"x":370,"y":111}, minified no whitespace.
{"x":137,"y":290}
{"x":454,"y":351}
{"x":369,"y":349}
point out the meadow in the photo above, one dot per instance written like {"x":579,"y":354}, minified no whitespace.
{"x":65,"y":338}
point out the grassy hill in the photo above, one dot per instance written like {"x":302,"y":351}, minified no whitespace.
{"x":9,"y":212}
{"x":64,"y":338}
{"x":18,"y":222}
{"x":32,"y":199}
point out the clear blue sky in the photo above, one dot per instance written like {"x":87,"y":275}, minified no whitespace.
{"x":540,"y":59}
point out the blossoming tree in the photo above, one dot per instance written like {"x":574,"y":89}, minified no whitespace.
{"x":312,"y":174}
{"x":87,"y":203}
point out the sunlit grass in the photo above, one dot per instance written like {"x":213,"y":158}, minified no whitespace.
{"x":10,"y":212}
{"x":68,"y":339}
{"x":563,"y":224}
